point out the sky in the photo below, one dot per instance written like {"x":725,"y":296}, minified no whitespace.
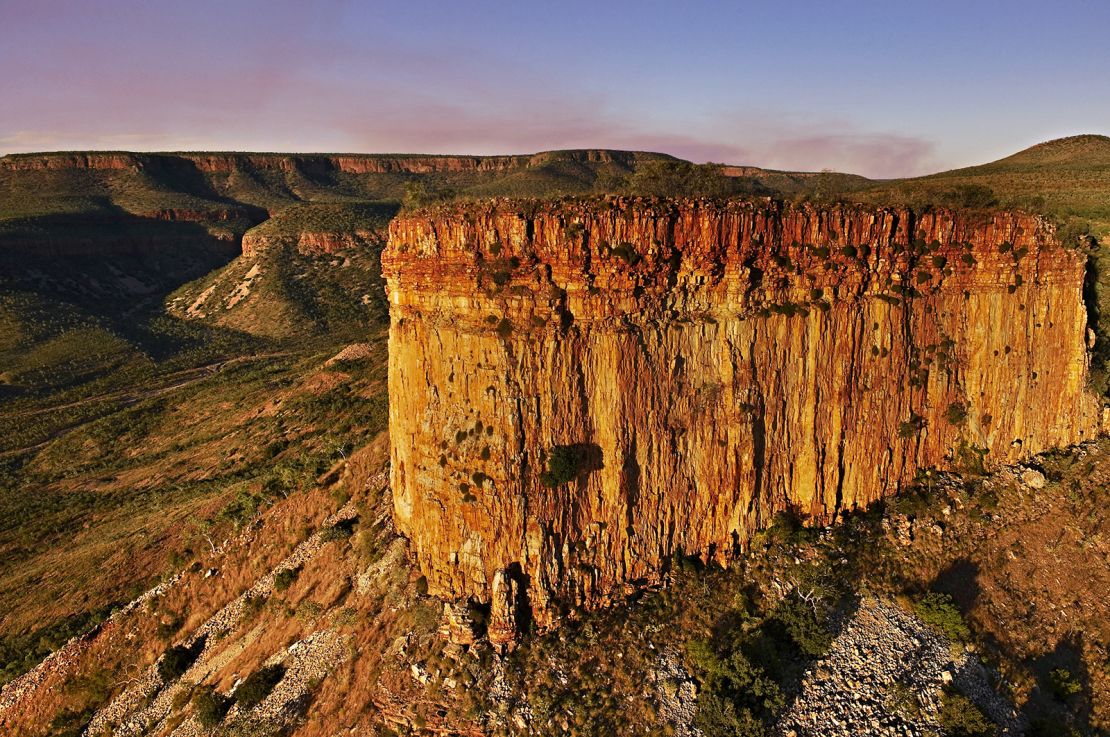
{"x":880,"y":88}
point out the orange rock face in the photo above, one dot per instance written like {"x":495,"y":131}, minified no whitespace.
{"x":712,"y":364}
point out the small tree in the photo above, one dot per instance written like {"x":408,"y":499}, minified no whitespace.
{"x":1063,"y":684}
{"x":210,"y":706}
{"x":178,"y":659}
{"x":956,"y":414}
{"x":959,"y":717}
{"x":284,"y":578}
{"x":939,"y":611}
{"x":258,"y":685}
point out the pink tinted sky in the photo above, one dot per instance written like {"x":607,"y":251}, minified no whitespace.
{"x":858,"y":86}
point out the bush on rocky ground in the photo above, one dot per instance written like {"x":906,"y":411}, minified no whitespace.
{"x":258,"y":685}
{"x":939,"y":611}
{"x":178,"y":659}
{"x":210,"y":706}
{"x":959,"y":717}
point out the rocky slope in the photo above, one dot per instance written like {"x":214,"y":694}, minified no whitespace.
{"x":703,"y":366}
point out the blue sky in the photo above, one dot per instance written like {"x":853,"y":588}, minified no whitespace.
{"x":878,"y":88}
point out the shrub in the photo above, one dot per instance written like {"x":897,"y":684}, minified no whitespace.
{"x":800,"y":623}
{"x":956,"y":414}
{"x":719,"y":716}
{"x":243,"y":507}
{"x":912,"y":426}
{"x":738,"y":698}
{"x":788,"y":526}
{"x":564,"y":463}
{"x":939,"y":612}
{"x":849,"y":251}
{"x":959,"y":717}
{"x":210,"y":706}
{"x":284,"y":578}
{"x":1063,"y":684}
{"x":968,"y":195}
{"x":681,"y":179}
{"x":342,"y":530}
{"x":626,"y":252}
{"x":178,"y":659}
{"x":970,"y":460}
{"x":258,"y":685}
{"x":505,"y":327}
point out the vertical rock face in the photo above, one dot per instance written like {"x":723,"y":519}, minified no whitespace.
{"x":708,"y":365}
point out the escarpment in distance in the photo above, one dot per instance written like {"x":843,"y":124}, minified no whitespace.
{"x":694,"y":367}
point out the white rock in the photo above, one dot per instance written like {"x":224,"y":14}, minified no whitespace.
{"x":1033,"y":478}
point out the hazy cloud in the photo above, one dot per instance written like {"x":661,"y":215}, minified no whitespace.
{"x":880,"y":155}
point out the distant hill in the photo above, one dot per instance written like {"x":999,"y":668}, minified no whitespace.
{"x":108,"y":239}
{"x":1068,"y":178}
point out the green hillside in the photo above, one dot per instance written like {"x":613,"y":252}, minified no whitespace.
{"x":1068,"y":178}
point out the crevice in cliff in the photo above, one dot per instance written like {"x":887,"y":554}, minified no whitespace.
{"x":759,"y":442}
{"x":521,"y":603}
{"x":1099,"y":348}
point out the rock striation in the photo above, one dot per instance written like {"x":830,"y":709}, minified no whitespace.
{"x":702,"y":366}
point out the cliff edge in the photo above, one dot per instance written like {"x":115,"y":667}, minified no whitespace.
{"x":580,"y":390}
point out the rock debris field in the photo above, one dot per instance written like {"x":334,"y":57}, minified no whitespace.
{"x":885,"y":676}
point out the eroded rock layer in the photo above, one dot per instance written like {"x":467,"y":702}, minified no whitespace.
{"x":711,"y":364}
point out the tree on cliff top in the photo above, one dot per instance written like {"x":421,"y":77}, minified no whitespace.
{"x":681,"y":179}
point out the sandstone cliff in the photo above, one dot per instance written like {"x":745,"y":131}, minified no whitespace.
{"x":311,"y":242}
{"x":709,"y":364}
{"x":225,"y":162}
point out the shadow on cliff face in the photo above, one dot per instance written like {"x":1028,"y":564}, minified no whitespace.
{"x":522,"y":606}
{"x":113,"y":271}
{"x":1096,"y":288}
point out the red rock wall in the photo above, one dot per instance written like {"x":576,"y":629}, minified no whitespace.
{"x":312,"y":243}
{"x":718,"y":362}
